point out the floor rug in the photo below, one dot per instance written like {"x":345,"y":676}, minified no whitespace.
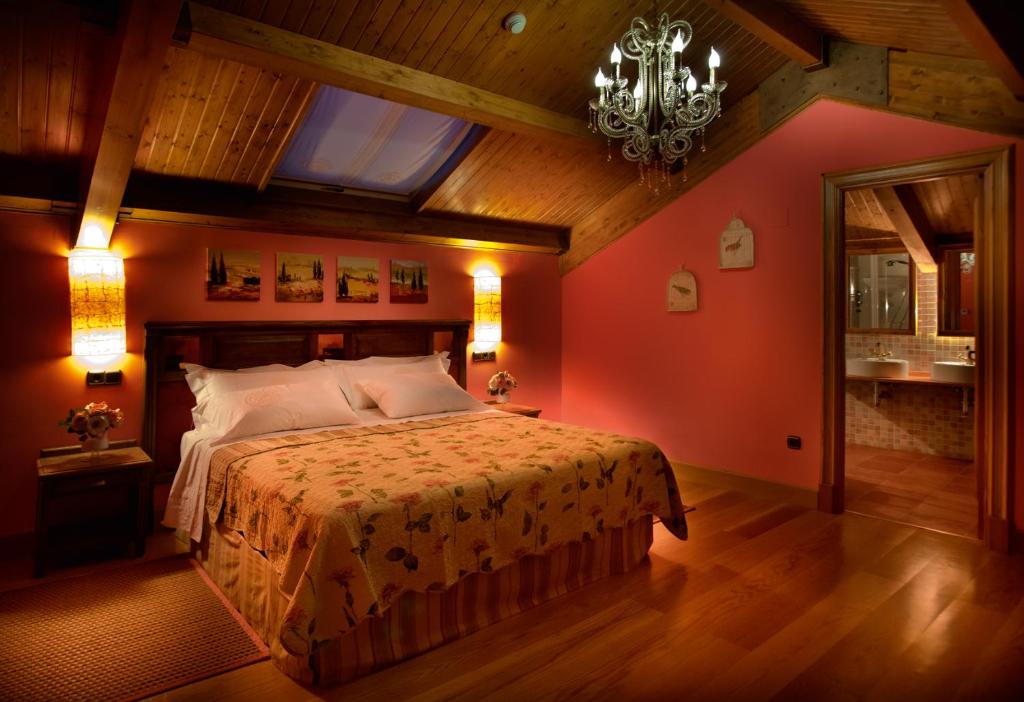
{"x":122,"y":634}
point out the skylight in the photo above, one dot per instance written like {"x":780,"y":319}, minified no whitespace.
{"x":358,"y":141}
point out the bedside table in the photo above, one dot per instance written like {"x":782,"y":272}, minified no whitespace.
{"x":513,"y":408}
{"x":91,"y":506}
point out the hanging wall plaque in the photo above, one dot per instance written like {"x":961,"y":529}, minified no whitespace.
{"x":736,"y":246}
{"x":682,"y":292}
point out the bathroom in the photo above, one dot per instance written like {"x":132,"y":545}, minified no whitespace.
{"x":909,"y":346}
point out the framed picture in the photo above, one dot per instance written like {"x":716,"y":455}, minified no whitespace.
{"x":736,"y":246}
{"x":682,"y":292}
{"x":232,"y":274}
{"x":300,"y":278}
{"x":408,"y":281}
{"x":358,"y":279}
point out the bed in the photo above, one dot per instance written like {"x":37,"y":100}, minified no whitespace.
{"x":351,"y":547}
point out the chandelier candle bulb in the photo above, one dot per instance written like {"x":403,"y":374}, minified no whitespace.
{"x":616,"y":58}
{"x":691,"y":85}
{"x":714,"y":61}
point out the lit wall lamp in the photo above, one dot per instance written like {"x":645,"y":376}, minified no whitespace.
{"x":98,"y":334}
{"x":486,"y":314}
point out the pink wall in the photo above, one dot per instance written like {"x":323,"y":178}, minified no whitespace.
{"x":165,"y":269}
{"x":722,"y":387}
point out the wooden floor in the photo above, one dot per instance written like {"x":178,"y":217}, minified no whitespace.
{"x":767,"y":601}
{"x":913,"y":488}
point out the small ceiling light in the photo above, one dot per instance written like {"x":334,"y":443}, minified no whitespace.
{"x":514,"y":22}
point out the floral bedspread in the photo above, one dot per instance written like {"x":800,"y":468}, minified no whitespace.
{"x":351,"y":518}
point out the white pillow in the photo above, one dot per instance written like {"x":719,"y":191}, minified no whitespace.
{"x":269,"y":408}
{"x":349,"y":376}
{"x":409,"y":394}
{"x":206,"y":383}
{"x":446,"y":362}
{"x":198,"y":376}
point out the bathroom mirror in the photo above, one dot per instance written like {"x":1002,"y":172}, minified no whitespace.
{"x":956,"y":292}
{"x":881,"y":293}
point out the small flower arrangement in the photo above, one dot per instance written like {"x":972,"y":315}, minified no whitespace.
{"x":501,"y":384}
{"x":92,"y":421}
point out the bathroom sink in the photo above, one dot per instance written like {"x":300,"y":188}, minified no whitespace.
{"x":878,"y":367}
{"x":953,"y":372}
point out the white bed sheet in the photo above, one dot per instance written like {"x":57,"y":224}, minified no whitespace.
{"x":187,"y":499}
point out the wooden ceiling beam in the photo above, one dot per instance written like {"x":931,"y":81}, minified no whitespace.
{"x":992,"y":28}
{"x":907,"y":216}
{"x":773,"y":24}
{"x":285,"y":210}
{"x":237,"y":38}
{"x":120,"y":106}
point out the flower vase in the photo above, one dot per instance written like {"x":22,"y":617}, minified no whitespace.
{"x":95,"y":444}
{"x":502,"y":397}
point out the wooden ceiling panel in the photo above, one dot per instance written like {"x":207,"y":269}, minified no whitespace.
{"x":865,"y":212}
{"x":917,"y":25}
{"x":551,"y":64}
{"x":949,"y":202}
{"x":510,"y":176}
{"x":220,"y":120}
{"x":48,"y":63}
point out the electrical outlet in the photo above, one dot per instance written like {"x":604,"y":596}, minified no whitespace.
{"x":480,"y":356}
{"x":794,"y":442}
{"x":96,"y":378}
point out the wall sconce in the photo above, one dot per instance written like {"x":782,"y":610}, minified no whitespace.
{"x":486,"y":314}
{"x":97,"y":303}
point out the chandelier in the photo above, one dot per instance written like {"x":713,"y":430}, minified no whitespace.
{"x":659,"y":118}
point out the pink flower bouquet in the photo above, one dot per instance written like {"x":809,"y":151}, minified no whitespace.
{"x":92,"y":421}
{"x":501,"y":384}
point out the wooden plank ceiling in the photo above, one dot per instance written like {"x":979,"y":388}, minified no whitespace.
{"x":49,"y":65}
{"x":916,"y":25}
{"x":947,"y":205}
{"x":220,"y":120}
{"x":226,"y":119}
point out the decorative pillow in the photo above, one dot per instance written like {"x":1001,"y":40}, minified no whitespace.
{"x":410,"y":394}
{"x":349,"y":376}
{"x":446,"y":362}
{"x":268,"y":408}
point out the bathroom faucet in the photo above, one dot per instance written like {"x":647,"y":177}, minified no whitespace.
{"x":880,"y":351}
{"x":968,"y":355}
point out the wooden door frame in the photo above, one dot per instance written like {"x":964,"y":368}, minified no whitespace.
{"x":993,"y":334}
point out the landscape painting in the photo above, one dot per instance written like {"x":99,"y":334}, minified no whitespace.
{"x":300,"y":278}
{"x":358,"y":279}
{"x":408,"y":281}
{"x":232,"y":274}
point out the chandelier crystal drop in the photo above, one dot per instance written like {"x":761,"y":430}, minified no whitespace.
{"x":661,"y":114}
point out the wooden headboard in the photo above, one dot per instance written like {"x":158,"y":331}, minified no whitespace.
{"x":233,"y":345}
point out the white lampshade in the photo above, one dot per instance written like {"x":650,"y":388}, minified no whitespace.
{"x":486,"y":310}
{"x":96,"y":278}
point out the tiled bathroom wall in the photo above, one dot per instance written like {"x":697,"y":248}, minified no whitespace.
{"x":920,"y":418}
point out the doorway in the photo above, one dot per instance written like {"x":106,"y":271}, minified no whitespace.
{"x":992,"y":319}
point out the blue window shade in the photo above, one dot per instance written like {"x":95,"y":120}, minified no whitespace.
{"x":358,"y":141}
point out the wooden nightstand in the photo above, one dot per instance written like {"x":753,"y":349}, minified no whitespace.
{"x":91,"y":506}
{"x":513,"y":408}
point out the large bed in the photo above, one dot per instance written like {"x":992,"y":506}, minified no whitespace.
{"x":351,"y":547}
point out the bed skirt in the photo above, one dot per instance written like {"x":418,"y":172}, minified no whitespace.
{"x":417,"y":621}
